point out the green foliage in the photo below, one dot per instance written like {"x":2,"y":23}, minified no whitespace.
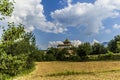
{"x":16,"y":47}
{"x":11,"y":65}
{"x":62,"y":55}
{"x":50,"y":57}
{"x":6,"y":7}
{"x":17,"y":41}
{"x":4,"y":76}
{"x":68,"y":73}
{"x":113,"y":45}
{"x":51,"y":54}
{"x":118,"y":46}
{"x":53,"y":51}
{"x":84,"y":50}
{"x":38,"y":55}
{"x":74,"y":58}
{"x":16,"y":50}
{"x":107,"y":56}
{"x":98,"y":49}
{"x":101,"y":57}
{"x":87,"y":52}
{"x":13,"y":33}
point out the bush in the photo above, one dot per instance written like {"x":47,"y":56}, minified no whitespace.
{"x":74,"y":58}
{"x":4,"y":76}
{"x":50,"y":57}
{"x":12,"y":65}
{"x":38,"y":56}
{"x":107,"y":56}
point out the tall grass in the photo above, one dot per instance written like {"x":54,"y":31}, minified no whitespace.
{"x":95,"y":70}
{"x":67,"y":73}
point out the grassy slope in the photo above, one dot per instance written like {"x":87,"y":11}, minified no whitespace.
{"x":103,"y":70}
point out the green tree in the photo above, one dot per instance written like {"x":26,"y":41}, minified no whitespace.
{"x":84,"y":50}
{"x":6,"y":7}
{"x":118,"y":46}
{"x":98,"y":49}
{"x":38,"y":55}
{"x":11,"y":65}
{"x":113,"y":44}
{"x":17,"y":41}
{"x":62,"y":54}
{"x":51,"y":54}
{"x":53,"y":51}
{"x":18,"y":46}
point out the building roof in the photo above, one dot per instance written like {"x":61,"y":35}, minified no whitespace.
{"x":64,"y":45}
{"x":66,"y":41}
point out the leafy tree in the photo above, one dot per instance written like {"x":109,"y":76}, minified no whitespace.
{"x":11,"y":65}
{"x":17,"y":41}
{"x":62,"y":54}
{"x":50,"y":57}
{"x":38,"y":55}
{"x":113,"y":44}
{"x":18,"y":47}
{"x":118,"y":46}
{"x":84,"y":50}
{"x":6,"y":7}
{"x":52,"y":50}
{"x":98,"y":49}
{"x":51,"y":54}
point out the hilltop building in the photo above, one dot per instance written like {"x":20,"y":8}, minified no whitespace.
{"x":66,"y":44}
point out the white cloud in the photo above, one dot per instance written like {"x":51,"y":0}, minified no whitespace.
{"x":63,"y":2}
{"x":30,"y":13}
{"x":87,"y":14}
{"x":95,"y":41}
{"x":69,"y":2}
{"x":76,"y":43}
{"x":54,"y":44}
{"x":116,"y":26}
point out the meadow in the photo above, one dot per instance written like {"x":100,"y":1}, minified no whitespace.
{"x":94,"y":70}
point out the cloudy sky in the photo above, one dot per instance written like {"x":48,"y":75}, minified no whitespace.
{"x":52,"y":21}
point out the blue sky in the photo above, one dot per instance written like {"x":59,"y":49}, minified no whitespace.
{"x":56,"y":20}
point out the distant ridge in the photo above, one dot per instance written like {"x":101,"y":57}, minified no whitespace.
{"x":105,"y":44}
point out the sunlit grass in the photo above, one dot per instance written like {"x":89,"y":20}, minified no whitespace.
{"x":101,"y":70}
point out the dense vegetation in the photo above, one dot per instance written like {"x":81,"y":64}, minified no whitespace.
{"x":16,"y":50}
{"x":16,"y":46}
{"x":87,"y":52}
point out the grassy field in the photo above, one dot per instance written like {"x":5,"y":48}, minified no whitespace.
{"x":100,"y":70}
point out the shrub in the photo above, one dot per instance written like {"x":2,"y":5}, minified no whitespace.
{"x":4,"y":76}
{"x":107,"y":56}
{"x":50,"y":57}
{"x":74,"y":58}
{"x":12,"y":65}
{"x":38,"y":56}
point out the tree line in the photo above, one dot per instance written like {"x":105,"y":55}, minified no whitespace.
{"x":83,"y":51}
